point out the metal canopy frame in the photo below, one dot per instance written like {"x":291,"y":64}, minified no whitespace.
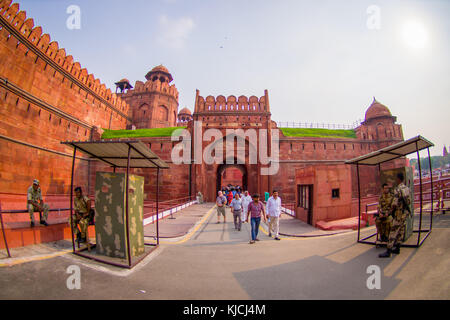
{"x":118,"y":154}
{"x":398,"y":150}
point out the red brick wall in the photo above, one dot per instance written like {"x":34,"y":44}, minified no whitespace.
{"x":232,"y":176}
{"x":153,"y":104}
{"x":49,"y":98}
{"x":173,"y":182}
{"x":45,"y":98}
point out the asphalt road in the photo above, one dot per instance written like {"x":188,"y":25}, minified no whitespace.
{"x":217,"y":262}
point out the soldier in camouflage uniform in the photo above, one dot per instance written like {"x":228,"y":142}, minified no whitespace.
{"x":400,"y":205}
{"x":82,"y":207}
{"x":36,"y":204}
{"x":383,"y":219}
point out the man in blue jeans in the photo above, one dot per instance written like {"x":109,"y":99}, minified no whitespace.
{"x":255,"y":208}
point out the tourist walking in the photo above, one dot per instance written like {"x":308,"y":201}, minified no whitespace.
{"x":255,"y":211}
{"x":274,"y":212}
{"x":229,"y":197}
{"x":221,"y":202}
{"x":236,"y":209}
{"x":246,"y":199}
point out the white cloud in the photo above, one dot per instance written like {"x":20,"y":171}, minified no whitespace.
{"x":174,"y":32}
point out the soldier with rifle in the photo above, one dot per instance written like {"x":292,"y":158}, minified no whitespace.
{"x":401,"y":211}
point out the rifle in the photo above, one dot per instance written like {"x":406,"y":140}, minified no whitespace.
{"x":405,"y":204}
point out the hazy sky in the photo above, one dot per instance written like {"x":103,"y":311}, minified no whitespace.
{"x":322,"y":61}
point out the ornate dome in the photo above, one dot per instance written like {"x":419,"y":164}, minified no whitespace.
{"x":377,"y":110}
{"x":125,"y":80}
{"x":185,"y":111}
{"x":159,"y":69}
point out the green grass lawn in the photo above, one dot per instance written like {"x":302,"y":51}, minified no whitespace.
{"x":288,"y":132}
{"x":318,"y":133}
{"x":139,"y":133}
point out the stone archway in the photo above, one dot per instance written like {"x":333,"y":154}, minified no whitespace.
{"x":221,"y":168}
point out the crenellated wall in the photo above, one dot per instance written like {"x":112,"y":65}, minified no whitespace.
{"x":153,"y":104}
{"x":45,"y":98}
{"x":232,"y":104}
{"x":22,"y":38}
{"x":243,"y":112}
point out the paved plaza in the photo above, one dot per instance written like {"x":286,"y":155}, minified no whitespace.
{"x":200,"y":259}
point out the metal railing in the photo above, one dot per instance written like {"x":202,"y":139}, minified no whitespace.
{"x":306,"y":125}
{"x":2,"y":212}
{"x":150,"y":206}
{"x":288,"y":208}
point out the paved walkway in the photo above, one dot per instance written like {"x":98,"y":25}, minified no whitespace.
{"x":180,"y":223}
{"x":183,"y":222}
{"x":214,"y":261}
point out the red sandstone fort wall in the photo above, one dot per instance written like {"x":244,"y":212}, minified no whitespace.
{"x":45,"y":98}
{"x":152,"y":104}
{"x":173,"y":182}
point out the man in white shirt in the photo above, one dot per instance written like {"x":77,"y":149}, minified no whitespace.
{"x":274,"y":211}
{"x":246,"y":199}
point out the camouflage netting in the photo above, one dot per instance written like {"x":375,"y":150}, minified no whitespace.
{"x":110,"y":217}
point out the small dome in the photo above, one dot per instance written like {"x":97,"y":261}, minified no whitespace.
{"x":185,"y":111}
{"x":160,"y":68}
{"x":124,"y":84}
{"x":377,"y":110}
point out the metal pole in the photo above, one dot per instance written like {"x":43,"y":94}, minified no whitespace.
{"x":432,"y":189}
{"x":420,"y":200}
{"x":126,"y":206}
{"x":190,"y":179}
{"x":4,"y":235}
{"x":71,"y":197}
{"x":157,"y":205}
{"x":359,"y":202}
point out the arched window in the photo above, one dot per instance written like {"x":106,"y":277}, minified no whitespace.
{"x":143,"y":110}
{"x":381,"y":132}
{"x":163,"y":113}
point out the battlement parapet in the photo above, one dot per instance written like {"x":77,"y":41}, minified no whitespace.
{"x":10,"y":14}
{"x":153,"y":86}
{"x":232,"y":104}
